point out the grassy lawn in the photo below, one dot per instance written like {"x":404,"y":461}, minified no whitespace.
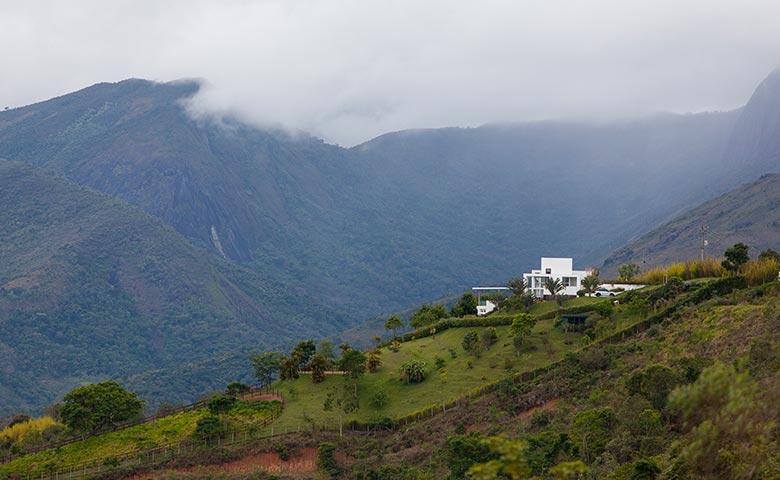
{"x":305,"y":400}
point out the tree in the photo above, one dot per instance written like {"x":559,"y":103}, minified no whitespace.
{"x":522,"y":325}
{"x":553,"y":285}
{"x":354,"y":363}
{"x":569,"y":470}
{"x":727,"y":424}
{"x":236,"y":388}
{"x":344,"y":400}
{"x":590,"y":283}
{"x":220,"y":404}
{"x":528,"y":299}
{"x":394,"y":323}
{"x":326,"y":459}
{"x":288,"y":367}
{"x":467,"y":305}
{"x":426,"y":315}
{"x":463,"y":451}
{"x":489,"y":336}
{"x":208,"y":427}
{"x":769,"y":255}
{"x":374,"y":362}
{"x":736,"y":256}
{"x":318,"y":365}
{"x":470,"y":341}
{"x":591,"y":430}
{"x":654,"y":383}
{"x":517,"y":285}
{"x":94,"y":407}
{"x":413,"y":371}
{"x":628,"y":271}
{"x":511,"y":461}
{"x":304,"y":351}
{"x":266,"y":366}
{"x":325,"y":348}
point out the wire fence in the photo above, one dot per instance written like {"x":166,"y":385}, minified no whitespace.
{"x":159,"y":456}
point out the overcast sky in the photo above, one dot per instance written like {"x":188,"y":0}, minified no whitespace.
{"x":350,"y":70}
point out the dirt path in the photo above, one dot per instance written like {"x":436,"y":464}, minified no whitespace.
{"x":305,"y":461}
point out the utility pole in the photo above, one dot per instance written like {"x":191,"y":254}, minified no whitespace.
{"x":702,"y":231}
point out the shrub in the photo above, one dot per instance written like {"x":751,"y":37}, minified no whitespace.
{"x":374,"y":362}
{"x":30,"y":432}
{"x":489,"y":336}
{"x":326,"y":459}
{"x":379,"y":399}
{"x":413,"y":371}
{"x":236,"y":388}
{"x":208,"y":427}
{"x":470,"y":341}
{"x":439,"y":362}
{"x":463,"y":451}
{"x":654,"y":383}
{"x":220,"y":404}
{"x":283,"y":451}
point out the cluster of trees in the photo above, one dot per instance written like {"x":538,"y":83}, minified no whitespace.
{"x":85,"y":410}
{"x":319,"y":359}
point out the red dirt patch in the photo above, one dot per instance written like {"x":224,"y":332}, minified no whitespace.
{"x":304,"y":461}
{"x":548,"y":405}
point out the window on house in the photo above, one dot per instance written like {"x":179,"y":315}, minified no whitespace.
{"x":548,"y":271}
{"x":570,"y":281}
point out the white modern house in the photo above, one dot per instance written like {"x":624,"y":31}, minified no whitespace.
{"x":561,"y":268}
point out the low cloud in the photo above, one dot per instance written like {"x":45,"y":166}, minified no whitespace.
{"x":353,"y":69}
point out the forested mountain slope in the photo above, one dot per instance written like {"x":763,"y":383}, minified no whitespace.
{"x":92,"y":288}
{"x":401,"y":219}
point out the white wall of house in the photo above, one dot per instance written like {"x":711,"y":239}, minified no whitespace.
{"x":554,"y":267}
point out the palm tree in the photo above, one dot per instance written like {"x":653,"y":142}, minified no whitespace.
{"x":554,"y":286}
{"x":517,"y":285}
{"x":590,"y":283}
{"x":413,"y":371}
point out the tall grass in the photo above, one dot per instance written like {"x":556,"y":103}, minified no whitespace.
{"x":709,"y":267}
{"x":29,"y":432}
{"x":759,"y":272}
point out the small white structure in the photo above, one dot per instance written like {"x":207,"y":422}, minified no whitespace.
{"x":484,"y":307}
{"x":560,"y":268}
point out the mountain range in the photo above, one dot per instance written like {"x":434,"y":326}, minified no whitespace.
{"x":209,"y":237}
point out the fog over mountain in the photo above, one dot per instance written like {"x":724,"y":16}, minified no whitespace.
{"x":351,"y":70}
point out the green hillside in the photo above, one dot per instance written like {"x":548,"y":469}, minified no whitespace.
{"x":92,"y":288}
{"x":673,"y":382}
